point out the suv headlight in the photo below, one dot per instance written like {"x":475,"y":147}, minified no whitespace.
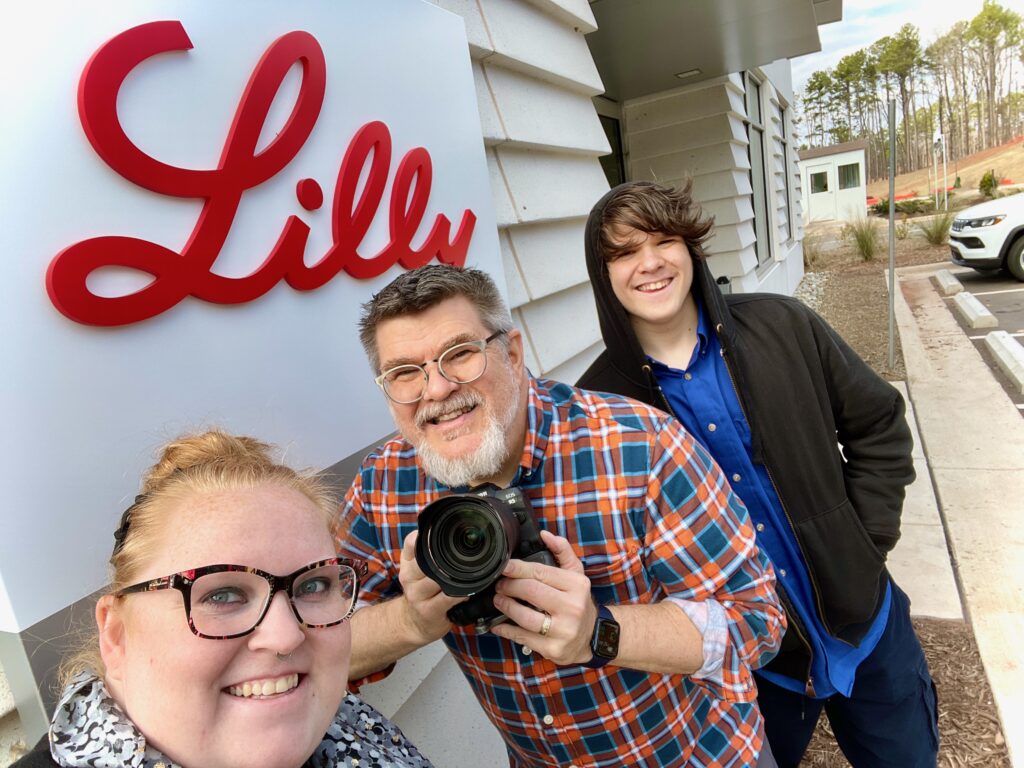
{"x":984,"y":221}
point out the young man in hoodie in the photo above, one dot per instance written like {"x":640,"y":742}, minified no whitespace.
{"x":770,"y":389}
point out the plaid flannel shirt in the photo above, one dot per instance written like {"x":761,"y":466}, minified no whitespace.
{"x":651,"y":516}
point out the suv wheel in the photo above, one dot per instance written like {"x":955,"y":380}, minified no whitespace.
{"x":1015,"y":258}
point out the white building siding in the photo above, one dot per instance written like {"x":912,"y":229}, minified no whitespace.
{"x":700,"y":132}
{"x":534,"y":80}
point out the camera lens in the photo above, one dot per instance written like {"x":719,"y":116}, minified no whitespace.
{"x":466,"y":541}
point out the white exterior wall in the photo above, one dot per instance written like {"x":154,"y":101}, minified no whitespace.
{"x":845,"y":204}
{"x":700,"y":131}
{"x":535,"y":79}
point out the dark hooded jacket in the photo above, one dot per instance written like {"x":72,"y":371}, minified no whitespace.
{"x":806,"y":395}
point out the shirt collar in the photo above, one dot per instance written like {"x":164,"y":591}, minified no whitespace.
{"x":702,"y":341}
{"x":539,"y":415}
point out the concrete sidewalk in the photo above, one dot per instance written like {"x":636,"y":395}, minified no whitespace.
{"x":971,"y":452}
{"x":920,"y":563}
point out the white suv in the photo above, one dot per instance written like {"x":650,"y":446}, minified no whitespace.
{"x":990,"y":236}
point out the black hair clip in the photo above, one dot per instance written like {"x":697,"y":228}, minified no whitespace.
{"x":126,"y":520}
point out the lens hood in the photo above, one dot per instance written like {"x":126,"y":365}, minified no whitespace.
{"x":466,"y":541}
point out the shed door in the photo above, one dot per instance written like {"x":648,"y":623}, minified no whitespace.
{"x":821,"y":186}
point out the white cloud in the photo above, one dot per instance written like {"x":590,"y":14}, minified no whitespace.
{"x":865,"y":21}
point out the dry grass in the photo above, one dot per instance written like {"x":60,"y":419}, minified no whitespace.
{"x":865,"y":234}
{"x":936,"y":228}
{"x":1007,"y":160}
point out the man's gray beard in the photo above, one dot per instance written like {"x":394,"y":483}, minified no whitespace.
{"x":486,"y":462}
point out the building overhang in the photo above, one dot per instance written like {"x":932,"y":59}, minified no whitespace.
{"x":646,"y":46}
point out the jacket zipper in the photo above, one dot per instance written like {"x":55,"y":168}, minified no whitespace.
{"x":657,"y":387}
{"x":809,"y":681}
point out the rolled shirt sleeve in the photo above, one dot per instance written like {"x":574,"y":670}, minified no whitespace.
{"x":700,"y":548}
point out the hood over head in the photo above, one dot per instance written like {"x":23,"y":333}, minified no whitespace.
{"x":616,"y":328}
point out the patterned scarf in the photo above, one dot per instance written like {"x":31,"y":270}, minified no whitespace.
{"x":90,"y":729}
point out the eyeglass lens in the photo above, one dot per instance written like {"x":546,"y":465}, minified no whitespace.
{"x":231,"y":602}
{"x":461,"y":364}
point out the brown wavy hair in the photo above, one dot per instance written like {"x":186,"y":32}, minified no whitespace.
{"x":654,"y":208}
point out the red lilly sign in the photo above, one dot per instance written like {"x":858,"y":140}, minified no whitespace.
{"x":177,"y":275}
{"x":217,"y":152}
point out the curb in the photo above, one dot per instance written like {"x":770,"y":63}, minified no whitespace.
{"x":973,"y":440}
{"x":974,"y":313}
{"x":947,"y":283}
{"x":1009,"y":354}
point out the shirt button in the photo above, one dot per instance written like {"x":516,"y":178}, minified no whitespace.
{"x":736,"y":477}
{"x":782,"y":571}
{"x":527,"y":650}
{"x":760,"y":527}
{"x":548,"y":720}
{"x":687,"y":376}
{"x":712,"y":427}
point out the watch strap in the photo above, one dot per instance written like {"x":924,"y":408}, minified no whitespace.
{"x":605,"y":628}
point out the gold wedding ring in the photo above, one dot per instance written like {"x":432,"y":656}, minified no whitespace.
{"x":546,"y":626}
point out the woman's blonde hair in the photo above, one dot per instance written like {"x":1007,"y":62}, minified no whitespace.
{"x":199,"y":463}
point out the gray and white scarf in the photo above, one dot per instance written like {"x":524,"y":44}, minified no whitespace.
{"x":90,"y":729}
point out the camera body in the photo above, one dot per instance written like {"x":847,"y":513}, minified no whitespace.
{"x":467,"y":539}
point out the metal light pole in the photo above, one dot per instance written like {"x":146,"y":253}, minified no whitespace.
{"x":939,"y":145}
{"x":892,"y":233}
{"x":945,"y":180}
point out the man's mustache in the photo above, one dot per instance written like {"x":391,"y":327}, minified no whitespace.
{"x":457,"y":401}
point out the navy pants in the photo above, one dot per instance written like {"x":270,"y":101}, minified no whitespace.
{"x":890,"y":719}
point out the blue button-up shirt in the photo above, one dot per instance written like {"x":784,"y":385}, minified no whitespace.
{"x":704,"y":400}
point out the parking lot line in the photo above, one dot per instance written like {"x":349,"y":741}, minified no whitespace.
{"x":1004,"y":290}
{"x":981,"y":338}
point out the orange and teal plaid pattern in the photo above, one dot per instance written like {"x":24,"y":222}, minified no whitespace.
{"x":650,"y":515}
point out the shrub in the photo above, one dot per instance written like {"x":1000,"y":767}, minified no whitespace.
{"x":864,"y":234}
{"x":989,"y":183}
{"x":881,"y":207}
{"x":812,"y":250}
{"x":902,"y":229}
{"x":915,"y":205}
{"x":936,"y":229}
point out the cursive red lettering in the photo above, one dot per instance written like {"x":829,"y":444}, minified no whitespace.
{"x":177,"y":275}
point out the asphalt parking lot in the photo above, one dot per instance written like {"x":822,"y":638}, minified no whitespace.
{"x":1004,"y":298}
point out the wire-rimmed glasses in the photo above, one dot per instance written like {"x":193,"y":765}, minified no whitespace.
{"x":228,"y":601}
{"x":461,"y":363}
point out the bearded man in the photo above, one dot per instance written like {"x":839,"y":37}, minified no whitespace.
{"x":636,"y":647}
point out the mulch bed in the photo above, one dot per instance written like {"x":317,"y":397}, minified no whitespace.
{"x":851,"y":294}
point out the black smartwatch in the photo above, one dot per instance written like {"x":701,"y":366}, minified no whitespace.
{"x":604,"y":643}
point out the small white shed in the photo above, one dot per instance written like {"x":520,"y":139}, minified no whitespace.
{"x":834,"y":181}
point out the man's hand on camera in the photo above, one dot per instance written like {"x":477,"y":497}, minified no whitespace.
{"x":426,"y":604}
{"x":530,"y":593}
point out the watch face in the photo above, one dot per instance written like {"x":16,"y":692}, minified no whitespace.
{"x":606,"y":640}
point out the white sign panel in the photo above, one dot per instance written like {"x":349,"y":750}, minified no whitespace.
{"x":198,"y":196}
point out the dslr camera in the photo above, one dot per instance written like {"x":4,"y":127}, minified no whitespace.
{"x":467,"y":539}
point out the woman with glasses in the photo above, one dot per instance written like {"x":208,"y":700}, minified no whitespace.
{"x":224,"y":640}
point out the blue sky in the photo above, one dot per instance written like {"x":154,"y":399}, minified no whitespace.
{"x":864,"y":21}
